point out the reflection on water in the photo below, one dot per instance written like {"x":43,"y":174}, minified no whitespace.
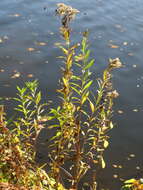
{"x":27,"y":33}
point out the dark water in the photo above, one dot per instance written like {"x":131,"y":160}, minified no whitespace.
{"x":116,"y":30}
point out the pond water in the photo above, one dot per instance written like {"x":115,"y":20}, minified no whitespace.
{"x":27,"y":35}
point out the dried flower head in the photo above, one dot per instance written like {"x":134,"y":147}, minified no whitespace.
{"x":115,"y":63}
{"x":113,"y":94}
{"x":67,"y":12}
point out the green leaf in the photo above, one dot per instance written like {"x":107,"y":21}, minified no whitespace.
{"x":65,"y":81}
{"x":84,"y":97}
{"x":87,"y":54}
{"x":92,"y":107}
{"x":65,"y":51}
{"x":58,"y":134}
{"x":90,"y":64}
{"x":84,"y":44}
{"x":87,"y":85}
{"x":38,"y":98}
{"x":76,"y":90}
{"x":76,"y":77}
{"x":17,"y":99}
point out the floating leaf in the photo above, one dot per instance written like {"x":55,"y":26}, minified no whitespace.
{"x":113,"y":46}
{"x":30,"y":75}
{"x":125,"y":43}
{"x":30,"y":49}
{"x":130,"y":54}
{"x":41,"y":43}
{"x":138,"y":168}
{"x":132,"y":155}
{"x":16,"y":15}
{"x":115,"y":176}
{"x":135,"y":110}
{"x":115,"y":166}
{"x":1,"y":40}
{"x":134,"y":66}
{"x":1,"y":70}
{"x":16,"y":75}
{"x":120,"y":112}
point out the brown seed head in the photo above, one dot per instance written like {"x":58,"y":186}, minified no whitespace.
{"x":113,"y":94}
{"x":115,"y":63}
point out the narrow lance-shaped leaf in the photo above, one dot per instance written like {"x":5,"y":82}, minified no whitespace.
{"x":84,"y":97}
{"x":38,"y":98}
{"x":103,"y":163}
{"x":87,"y":55}
{"x":92,"y":107}
{"x":90,"y":64}
{"x":87,"y":85}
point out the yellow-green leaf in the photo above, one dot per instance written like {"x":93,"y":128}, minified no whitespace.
{"x":87,"y":85}
{"x":106,"y":144}
{"x":103,"y":163}
{"x":92,"y":107}
{"x":130,"y":181}
{"x":90,"y":64}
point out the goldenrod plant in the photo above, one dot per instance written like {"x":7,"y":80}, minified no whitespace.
{"x":81,"y":122}
{"x":83,"y":119}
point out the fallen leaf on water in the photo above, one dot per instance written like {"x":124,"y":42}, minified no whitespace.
{"x":21,"y":62}
{"x":121,"y":179}
{"x":47,"y":61}
{"x":135,"y":110}
{"x":1,"y":70}
{"x":41,"y":43}
{"x":125,"y":43}
{"x":113,"y":46}
{"x":120,"y":166}
{"x":5,"y":38}
{"x":114,"y":166}
{"x":134,"y":66}
{"x":1,"y":41}
{"x":118,"y":26}
{"x":130,"y":54}
{"x":120,"y":112}
{"x":115,"y":176}
{"x":132,"y":155}
{"x":30,"y":49}
{"x":16,"y":75}
{"x":15,"y":15}
{"x":30,"y":75}
{"x":138,"y":168}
